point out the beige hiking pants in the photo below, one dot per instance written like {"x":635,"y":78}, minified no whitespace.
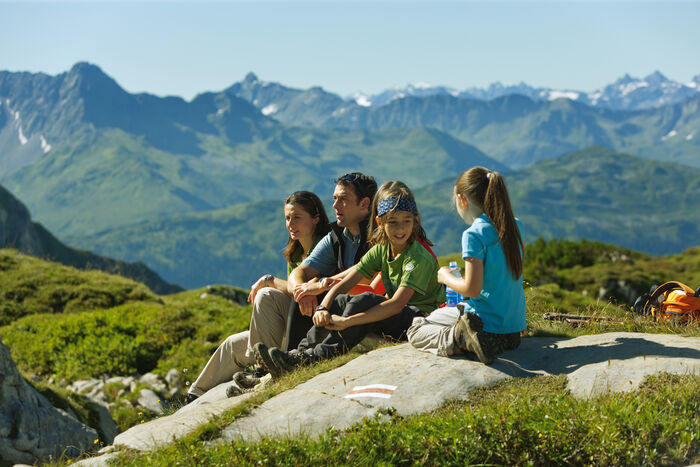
{"x":267,"y":325}
{"x":435,"y":332}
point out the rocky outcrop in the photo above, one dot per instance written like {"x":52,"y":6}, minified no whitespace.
{"x":31,"y":429}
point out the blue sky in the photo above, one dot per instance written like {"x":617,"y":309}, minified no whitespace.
{"x":185,"y":48}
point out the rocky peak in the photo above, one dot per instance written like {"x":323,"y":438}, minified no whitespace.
{"x":251,"y":78}
{"x":656,"y":78}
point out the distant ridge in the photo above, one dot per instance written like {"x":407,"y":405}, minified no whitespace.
{"x":19,"y":232}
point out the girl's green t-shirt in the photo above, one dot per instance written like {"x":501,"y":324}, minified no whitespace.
{"x":414,"y":268}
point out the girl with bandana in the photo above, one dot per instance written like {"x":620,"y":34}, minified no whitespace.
{"x":491,"y":320}
{"x":409,"y":274}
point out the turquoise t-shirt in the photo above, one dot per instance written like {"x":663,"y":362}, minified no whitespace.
{"x":415,"y":268}
{"x":501,"y":303}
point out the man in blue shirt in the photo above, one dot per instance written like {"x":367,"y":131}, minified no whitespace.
{"x":336,"y":252}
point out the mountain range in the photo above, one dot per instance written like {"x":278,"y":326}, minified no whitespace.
{"x":626,"y":93}
{"x":514,"y":128}
{"x":129,"y":175}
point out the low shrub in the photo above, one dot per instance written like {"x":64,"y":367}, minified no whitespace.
{"x":32,"y":286}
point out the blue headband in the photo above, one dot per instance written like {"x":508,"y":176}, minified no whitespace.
{"x":396,"y":203}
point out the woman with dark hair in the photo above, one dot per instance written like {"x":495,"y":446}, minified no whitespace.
{"x":306,"y":222}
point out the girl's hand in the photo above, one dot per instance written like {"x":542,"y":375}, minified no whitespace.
{"x":327,"y":282}
{"x":442,"y":273}
{"x":321,"y":318}
{"x":255,"y":288}
{"x":337,"y":323}
{"x":313,"y":288}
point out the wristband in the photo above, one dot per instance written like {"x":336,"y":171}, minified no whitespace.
{"x":269,"y":279}
{"x":321,"y":308}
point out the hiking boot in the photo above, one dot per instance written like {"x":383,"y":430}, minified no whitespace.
{"x":232,"y":390}
{"x":287,"y":361}
{"x":469,"y":336}
{"x":249,"y":379}
{"x":262,"y":354}
{"x":189,"y":397}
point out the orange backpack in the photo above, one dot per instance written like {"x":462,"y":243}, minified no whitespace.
{"x":670,"y":301}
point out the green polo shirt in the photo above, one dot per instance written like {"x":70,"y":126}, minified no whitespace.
{"x":414,"y":268}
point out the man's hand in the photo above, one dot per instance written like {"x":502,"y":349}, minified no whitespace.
{"x":321,"y":318}
{"x":306,"y":289}
{"x":308,"y":304}
{"x":337,"y":323}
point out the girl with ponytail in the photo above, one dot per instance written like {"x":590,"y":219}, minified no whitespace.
{"x":490,"y":321}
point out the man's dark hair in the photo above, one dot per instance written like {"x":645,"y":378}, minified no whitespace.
{"x":364,"y":185}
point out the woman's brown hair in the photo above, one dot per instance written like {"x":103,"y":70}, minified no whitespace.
{"x":488,"y":191}
{"x":376,"y":235}
{"x":310,"y":203}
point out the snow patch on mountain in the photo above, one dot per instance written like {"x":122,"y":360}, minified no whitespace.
{"x":269,"y":109}
{"x":46,"y":147}
{"x":669,"y":135}
{"x":631,"y":87}
{"x":22,"y":139}
{"x":563,"y":95}
{"x":361,"y":99}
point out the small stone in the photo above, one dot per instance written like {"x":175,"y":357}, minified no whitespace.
{"x":173,"y":378}
{"x":151,"y":401}
{"x":154,"y":381}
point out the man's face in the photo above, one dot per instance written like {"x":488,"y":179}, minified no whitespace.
{"x":348,"y":209}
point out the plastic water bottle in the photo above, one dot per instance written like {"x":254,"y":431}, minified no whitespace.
{"x":452,"y":298}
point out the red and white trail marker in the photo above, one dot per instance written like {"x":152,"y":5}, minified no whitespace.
{"x":383,"y":391}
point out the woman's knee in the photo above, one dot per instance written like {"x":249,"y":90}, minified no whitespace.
{"x":269,"y":299}
{"x":236,"y":341}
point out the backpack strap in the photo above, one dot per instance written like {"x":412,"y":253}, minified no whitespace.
{"x":338,"y":245}
{"x":364,"y":246}
{"x":338,"y":242}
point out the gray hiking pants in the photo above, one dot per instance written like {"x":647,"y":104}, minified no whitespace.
{"x":435,"y":332}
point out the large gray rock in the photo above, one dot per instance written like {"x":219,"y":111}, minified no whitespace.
{"x":31,"y":428}
{"x":422,"y":381}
